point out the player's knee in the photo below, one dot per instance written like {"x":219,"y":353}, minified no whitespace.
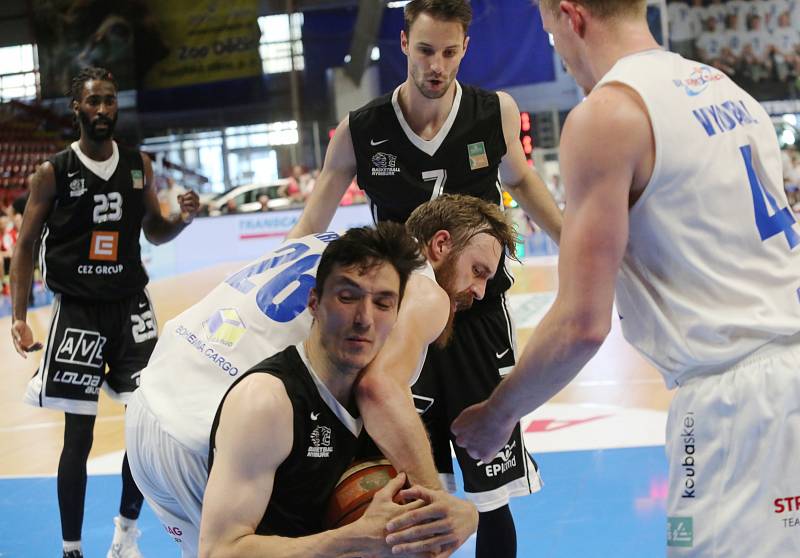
{"x":78,"y":436}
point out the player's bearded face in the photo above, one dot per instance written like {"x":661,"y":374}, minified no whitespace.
{"x":447,"y":277}
{"x":98,"y":128}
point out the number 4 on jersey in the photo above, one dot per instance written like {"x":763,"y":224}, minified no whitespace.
{"x":781,"y":220}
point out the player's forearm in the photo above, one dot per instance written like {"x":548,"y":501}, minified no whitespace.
{"x":21,"y":275}
{"x":307,"y":224}
{"x":338,"y":543}
{"x":558,"y":350}
{"x":159,"y":230}
{"x":318,"y":213}
{"x":393,"y":423}
{"x":534,"y":198}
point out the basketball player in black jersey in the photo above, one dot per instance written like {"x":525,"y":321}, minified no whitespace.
{"x":430,"y":136}
{"x":285,"y":432}
{"x":89,"y":204}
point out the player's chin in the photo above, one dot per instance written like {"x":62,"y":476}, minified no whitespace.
{"x":358,"y":354}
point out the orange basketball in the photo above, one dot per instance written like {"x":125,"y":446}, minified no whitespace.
{"x":355,"y":490}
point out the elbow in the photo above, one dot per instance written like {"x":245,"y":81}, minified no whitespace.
{"x":591,"y":332}
{"x":374,"y":390}
{"x":214,"y":549}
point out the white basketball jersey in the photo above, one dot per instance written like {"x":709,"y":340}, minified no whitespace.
{"x":711,"y":271}
{"x":255,"y":313}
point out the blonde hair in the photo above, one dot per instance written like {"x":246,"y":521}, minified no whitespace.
{"x":603,"y":9}
{"x":463,"y":217}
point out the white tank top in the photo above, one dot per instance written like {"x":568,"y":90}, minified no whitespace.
{"x":255,"y":313}
{"x":711,"y":272}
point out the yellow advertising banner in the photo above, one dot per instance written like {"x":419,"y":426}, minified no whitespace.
{"x":207,"y":41}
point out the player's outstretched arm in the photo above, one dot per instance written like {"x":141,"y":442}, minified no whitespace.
{"x":253,"y":438}
{"x":385,"y":402}
{"x":523,"y":182}
{"x":336,"y":175}
{"x":382,"y":392}
{"x":42,"y":188}
{"x":157,"y":229}
{"x":598,"y":184}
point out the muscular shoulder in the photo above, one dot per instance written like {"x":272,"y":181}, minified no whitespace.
{"x":613,"y":116}
{"x":260,"y":397}
{"x":612,"y":107}
{"x":382,"y":102}
{"x":45,"y":172}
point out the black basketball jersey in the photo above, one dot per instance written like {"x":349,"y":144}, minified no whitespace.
{"x":400,"y":171}
{"x":322,"y":449}
{"x":90,"y":241}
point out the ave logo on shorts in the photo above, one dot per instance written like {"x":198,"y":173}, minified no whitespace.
{"x":320,"y":442}
{"x":104,"y":246}
{"x":80,"y":346}
{"x":224,"y":327}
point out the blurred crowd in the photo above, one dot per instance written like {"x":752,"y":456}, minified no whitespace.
{"x":750,"y":40}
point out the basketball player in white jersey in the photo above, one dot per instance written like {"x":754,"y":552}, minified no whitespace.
{"x":675,"y":199}
{"x":260,"y":310}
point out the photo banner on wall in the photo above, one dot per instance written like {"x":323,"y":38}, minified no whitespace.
{"x":208,"y":41}
{"x":146,"y":44}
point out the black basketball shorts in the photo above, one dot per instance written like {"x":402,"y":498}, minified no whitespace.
{"x":93,"y":344}
{"x":482,"y":350}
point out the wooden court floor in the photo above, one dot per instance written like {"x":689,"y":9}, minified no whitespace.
{"x":30,"y":438}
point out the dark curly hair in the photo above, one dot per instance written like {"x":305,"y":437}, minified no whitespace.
{"x":89,"y":74}
{"x":367,"y":247}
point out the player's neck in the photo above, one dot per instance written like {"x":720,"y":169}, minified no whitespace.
{"x":609,"y":44}
{"x":339,"y":382}
{"x":96,"y":150}
{"x":425,"y":116}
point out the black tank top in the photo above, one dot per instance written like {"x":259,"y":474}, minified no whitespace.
{"x":399,"y":172}
{"x":322,"y":449}
{"x":90,"y":241}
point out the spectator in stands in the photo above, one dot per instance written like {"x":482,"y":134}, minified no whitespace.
{"x":263,"y":199}
{"x":353,"y":194}
{"x":230,"y":207}
{"x":682,"y":31}
{"x":710,"y":46}
{"x":168,"y":198}
{"x":717,"y":12}
{"x":791,"y":167}
{"x":785,"y":43}
{"x":297,"y":187}
{"x":736,"y":14}
{"x":756,"y":51}
{"x":731,"y":52}
{"x":699,"y":15}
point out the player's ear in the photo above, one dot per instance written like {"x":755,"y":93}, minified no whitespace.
{"x":313,"y":301}
{"x":404,"y":42}
{"x":440,"y":245}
